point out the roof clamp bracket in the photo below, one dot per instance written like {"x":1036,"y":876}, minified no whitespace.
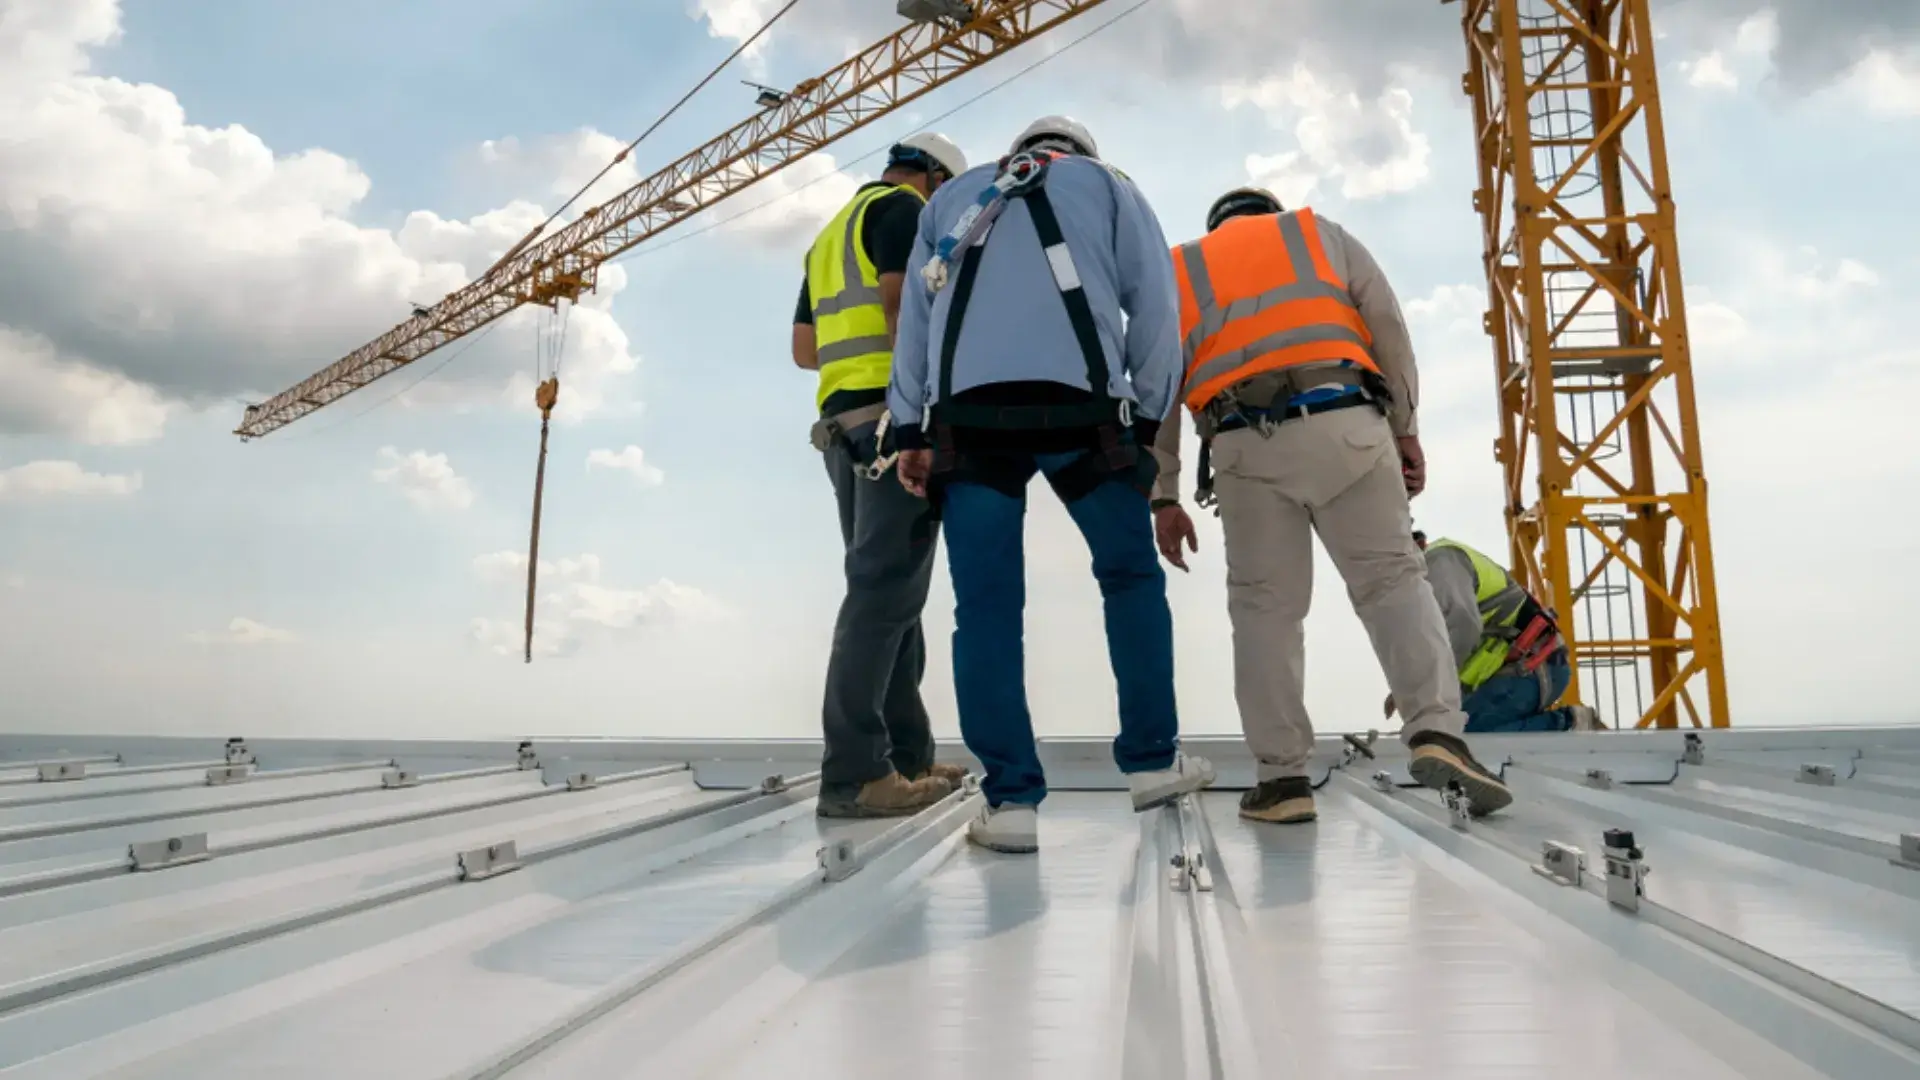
{"x":1599,"y":778}
{"x":63,"y":770}
{"x":1383,"y":781}
{"x":838,"y":860}
{"x":1190,"y":872}
{"x":1458,"y":805}
{"x":1626,"y":873}
{"x":1562,"y":863}
{"x":773,"y":785}
{"x":1695,"y":752}
{"x":490,"y":861}
{"x":399,"y":778}
{"x":581,"y":781}
{"x":228,"y":774}
{"x":1817,"y":775}
{"x":173,"y":851}
{"x":527,"y":758}
{"x":238,"y":752}
{"x":1357,"y":747}
{"x":1909,"y":851}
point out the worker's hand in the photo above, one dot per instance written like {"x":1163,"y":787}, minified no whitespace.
{"x":1389,"y":708}
{"x":914,"y":467}
{"x":1413,"y":464}
{"x":1171,"y":525}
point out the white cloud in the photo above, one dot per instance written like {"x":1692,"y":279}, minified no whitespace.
{"x":212,"y":267}
{"x":244,"y":631}
{"x":55,"y":479}
{"x":42,"y":392}
{"x":575,"y":611}
{"x":1887,"y":83}
{"x":1710,"y":70}
{"x":787,"y":209}
{"x":14,"y":581}
{"x":632,"y":460}
{"x":1371,"y":148}
{"x":427,"y":480}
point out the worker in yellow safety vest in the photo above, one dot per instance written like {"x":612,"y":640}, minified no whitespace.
{"x":878,"y":758}
{"x":1512,"y":660}
{"x":1300,"y":377}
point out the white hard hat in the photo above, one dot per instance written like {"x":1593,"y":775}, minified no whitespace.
{"x":1058,"y":128}
{"x":938,"y":147}
{"x":1242,"y":200}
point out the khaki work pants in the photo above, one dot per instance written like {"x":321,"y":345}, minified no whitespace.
{"x":1337,"y":474}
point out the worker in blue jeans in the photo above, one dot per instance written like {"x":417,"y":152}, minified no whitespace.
{"x":1058,"y":271}
{"x":1513,"y":663}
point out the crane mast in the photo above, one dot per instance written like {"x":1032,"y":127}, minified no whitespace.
{"x":1605,"y":492}
{"x":950,"y":39}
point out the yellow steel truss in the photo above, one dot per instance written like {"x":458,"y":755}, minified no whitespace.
{"x":1606,"y":496}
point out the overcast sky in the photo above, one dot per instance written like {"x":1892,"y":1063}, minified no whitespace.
{"x":202,"y":201}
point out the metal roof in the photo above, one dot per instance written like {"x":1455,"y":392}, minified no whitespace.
{"x":604,"y":908}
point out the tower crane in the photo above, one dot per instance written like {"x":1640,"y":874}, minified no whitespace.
{"x":1586,"y":313}
{"x":945,"y":40}
{"x":1605,"y":493}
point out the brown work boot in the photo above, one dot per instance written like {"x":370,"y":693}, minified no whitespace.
{"x":1287,"y":801}
{"x":954,"y":775}
{"x":892,"y":795}
{"x":1440,"y":759}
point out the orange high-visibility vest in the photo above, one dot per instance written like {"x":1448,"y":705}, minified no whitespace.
{"x":1257,"y":295}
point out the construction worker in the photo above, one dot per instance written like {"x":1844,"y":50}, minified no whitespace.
{"x":1300,"y":377}
{"x":879,"y":752}
{"x":1512,"y":661}
{"x":1045,"y":251}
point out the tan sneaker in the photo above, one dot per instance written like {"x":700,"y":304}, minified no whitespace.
{"x":892,"y":795}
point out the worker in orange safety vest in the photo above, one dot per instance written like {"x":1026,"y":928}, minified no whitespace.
{"x":1300,"y":378}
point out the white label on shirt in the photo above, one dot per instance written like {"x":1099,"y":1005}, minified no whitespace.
{"x":1061,"y":260}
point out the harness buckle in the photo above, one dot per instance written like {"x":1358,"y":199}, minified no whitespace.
{"x":1126,"y":412}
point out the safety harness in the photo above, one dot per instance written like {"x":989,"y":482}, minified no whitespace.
{"x":1023,"y":176}
{"x":1295,"y":393}
{"x":842,"y":426}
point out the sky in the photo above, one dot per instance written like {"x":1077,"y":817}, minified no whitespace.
{"x":203,"y":201}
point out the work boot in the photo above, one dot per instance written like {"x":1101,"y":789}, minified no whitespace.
{"x":1440,"y":759}
{"x":1287,"y":801}
{"x":1584,"y":718}
{"x":1162,"y":786}
{"x":892,"y":795}
{"x":1010,"y":828}
{"x":954,"y":775}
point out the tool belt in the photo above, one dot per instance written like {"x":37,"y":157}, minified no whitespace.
{"x":1251,"y":405}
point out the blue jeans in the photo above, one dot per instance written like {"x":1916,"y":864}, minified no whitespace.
{"x":986,"y":559}
{"x":1513,"y":702}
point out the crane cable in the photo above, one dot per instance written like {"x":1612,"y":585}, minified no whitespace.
{"x":547,"y":390}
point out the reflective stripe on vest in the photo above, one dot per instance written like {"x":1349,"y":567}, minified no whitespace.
{"x":1501,"y":600}
{"x":1249,"y":305}
{"x":849,"y":325}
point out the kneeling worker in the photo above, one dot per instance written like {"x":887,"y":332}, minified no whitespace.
{"x":1513,"y":663}
{"x":879,"y":742}
{"x":1300,"y":377}
{"x":1048,"y":249}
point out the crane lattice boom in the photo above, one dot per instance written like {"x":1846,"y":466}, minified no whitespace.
{"x":860,"y":90}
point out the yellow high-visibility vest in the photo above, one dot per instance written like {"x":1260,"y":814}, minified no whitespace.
{"x":849,"y":325}
{"x":1501,"y":600}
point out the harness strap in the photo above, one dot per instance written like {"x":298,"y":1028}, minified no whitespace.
{"x":828,"y":428}
{"x":1086,"y":332}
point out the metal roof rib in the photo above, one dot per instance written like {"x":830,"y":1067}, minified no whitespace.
{"x":605,"y":907}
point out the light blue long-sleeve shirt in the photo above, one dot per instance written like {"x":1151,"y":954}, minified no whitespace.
{"x":1016,"y":325}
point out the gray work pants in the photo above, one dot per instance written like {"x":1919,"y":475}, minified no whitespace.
{"x":1337,"y":474}
{"x":873,"y":720}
